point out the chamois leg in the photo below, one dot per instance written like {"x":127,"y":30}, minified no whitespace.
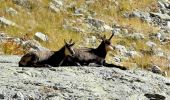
{"x":69,"y":61}
{"x":41,"y":65}
{"x":116,"y":66}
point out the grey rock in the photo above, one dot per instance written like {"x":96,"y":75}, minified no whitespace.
{"x":80,"y":11}
{"x":161,"y":16}
{"x":98,"y":24}
{"x":41,"y":36}
{"x":107,"y":27}
{"x":168,"y":25}
{"x":117,"y":31}
{"x":151,"y":44}
{"x":90,"y":2}
{"x":56,"y":5}
{"x":81,"y":83}
{"x":6,"y":22}
{"x":23,"y":3}
{"x":133,"y":54}
{"x":145,"y":16}
{"x":161,"y":5}
{"x":91,"y":41}
{"x":95,"y":22}
{"x":159,"y":52}
{"x":137,"y":36}
{"x":120,"y":48}
{"x":3,"y":36}
{"x":32,"y":45}
{"x":11,"y":11}
{"x":117,"y":59}
{"x":161,"y":36}
{"x":158,"y":36}
{"x":76,"y":29}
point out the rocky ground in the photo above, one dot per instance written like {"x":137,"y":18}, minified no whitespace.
{"x":79,"y":83}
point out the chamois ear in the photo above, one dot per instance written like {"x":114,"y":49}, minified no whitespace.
{"x":103,"y":38}
{"x":70,"y":41}
{"x":65,"y":42}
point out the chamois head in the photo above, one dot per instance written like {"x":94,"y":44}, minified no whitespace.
{"x":68,"y":48}
{"x":28,"y":59}
{"x":107,"y":43}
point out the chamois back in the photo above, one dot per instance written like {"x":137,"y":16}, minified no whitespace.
{"x":47,"y":58}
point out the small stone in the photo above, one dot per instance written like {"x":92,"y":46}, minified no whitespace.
{"x":151,"y":44}
{"x":116,"y":59}
{"x":7,"y":22}
{"x":158,"y":35}
{"x":168,"y":24}
{"x":11,"y":11}
{"x":159,"y":52}
{"x":137,"y":36}
{"x":95,"y":22}
{"x":120,"y":48}
{"x":133,"y":54}
{"x":107,"y":27}
{"x":56,"y":5}
{"x":41,"y":36}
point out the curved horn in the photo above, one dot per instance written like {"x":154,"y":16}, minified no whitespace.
{"x":111,"y":36}
{"x":113,"y":32}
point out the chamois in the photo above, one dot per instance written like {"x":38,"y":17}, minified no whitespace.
{"x":96,"y":56}
{"x":47,"y":58}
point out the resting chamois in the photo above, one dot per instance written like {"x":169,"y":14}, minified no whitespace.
{"x":96,"y":56}
{"x":47,"y":58}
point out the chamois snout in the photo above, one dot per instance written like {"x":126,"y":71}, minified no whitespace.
{"x":69,"y":48}
{"x":109,"y":47}
{"x":108,"y":44}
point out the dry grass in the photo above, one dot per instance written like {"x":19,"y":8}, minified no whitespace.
{"x":143,"y":62}
{"x":40,"y":18}
{"x":10,"y":47}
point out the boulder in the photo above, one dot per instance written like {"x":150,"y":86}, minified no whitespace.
{"x":100,"y":83}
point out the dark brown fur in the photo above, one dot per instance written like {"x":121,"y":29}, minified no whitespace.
{"x":46,"y":58}
{"x":86,"y":56}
